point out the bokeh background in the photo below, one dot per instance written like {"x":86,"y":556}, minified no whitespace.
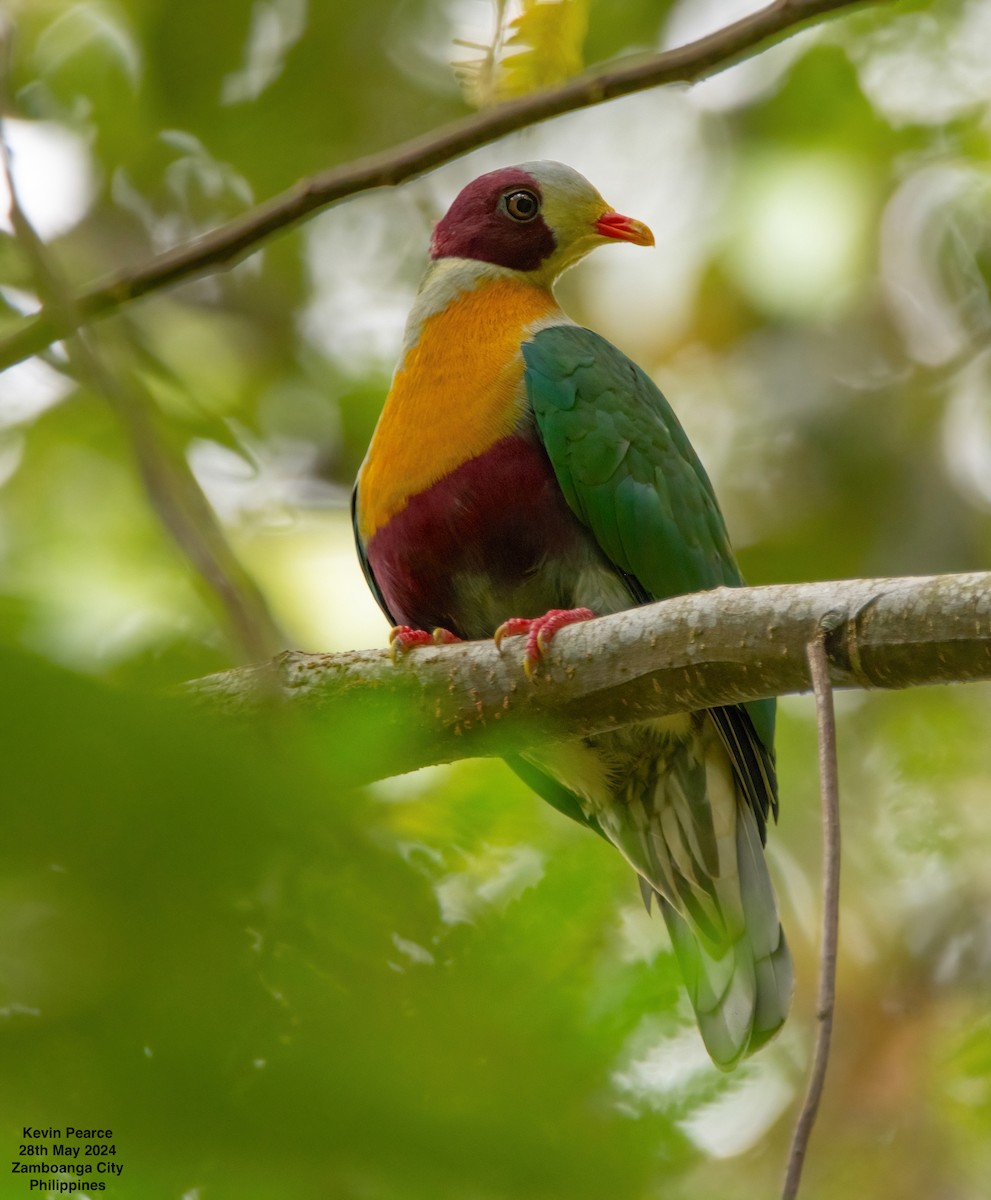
{"x":269,"y":985}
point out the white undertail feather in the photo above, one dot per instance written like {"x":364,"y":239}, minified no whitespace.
{"x":665,"y":794}
{"x":740,"y":991}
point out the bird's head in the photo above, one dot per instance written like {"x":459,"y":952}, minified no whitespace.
{"x":538,"y":217}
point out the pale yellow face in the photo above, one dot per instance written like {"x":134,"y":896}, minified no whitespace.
{"x":574,"y":211}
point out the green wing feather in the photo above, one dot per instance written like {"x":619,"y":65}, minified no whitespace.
{"x":625,"y":464}
{"x":628,"y":472}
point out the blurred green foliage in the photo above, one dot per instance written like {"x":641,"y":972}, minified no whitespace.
{"x":435,"y":987}
{"x":211,"y":947}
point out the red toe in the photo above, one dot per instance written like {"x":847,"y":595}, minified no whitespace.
{"x":443,"y":637}
{"x":403,"y":638}
{"x":511,"y":628}
{"x":539,"y":631}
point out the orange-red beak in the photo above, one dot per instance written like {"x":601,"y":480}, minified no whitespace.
{"x":624,"y":229}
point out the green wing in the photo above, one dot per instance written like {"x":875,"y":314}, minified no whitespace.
{"x":625,"y":465}
{"x":628,"y":472}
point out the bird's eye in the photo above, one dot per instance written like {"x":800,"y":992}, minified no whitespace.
{"x":521,"y":206}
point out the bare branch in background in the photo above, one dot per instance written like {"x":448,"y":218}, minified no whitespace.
{"x":710,"y":648}
{"x":829,"y":790}
{"x":171,"y":487}
{"x":227,"y":245}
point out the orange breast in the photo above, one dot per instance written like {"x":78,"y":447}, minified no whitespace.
{"x":455,"y":394}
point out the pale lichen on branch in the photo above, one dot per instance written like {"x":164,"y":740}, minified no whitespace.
{"x":691,"y":652}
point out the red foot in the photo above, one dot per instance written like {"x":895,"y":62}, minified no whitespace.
{"x":539,"y":631}
{"x":402,"y":639}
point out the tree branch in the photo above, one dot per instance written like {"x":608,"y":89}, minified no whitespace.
{"x":225,"y":246}
{"x":719,"y":647}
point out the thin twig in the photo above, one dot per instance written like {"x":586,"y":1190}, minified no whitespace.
{"x":228,"y":244}
{"x":826,"y":995}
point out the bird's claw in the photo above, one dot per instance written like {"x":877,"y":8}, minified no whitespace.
{"x":443,"y":637}
{"x":511,"y":628}
{"x":403,"y":638}
{"x":539,"y":631}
